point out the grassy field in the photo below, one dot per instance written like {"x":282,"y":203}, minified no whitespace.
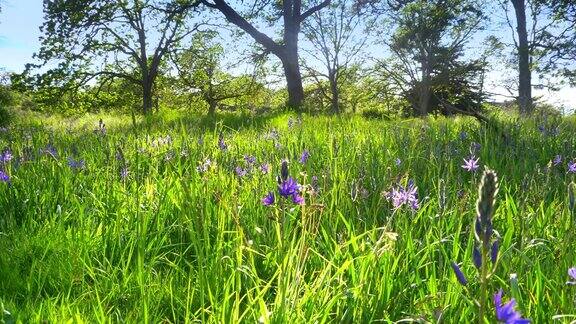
{"x":163,"y":221}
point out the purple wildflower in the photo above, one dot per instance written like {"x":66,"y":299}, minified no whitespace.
{"x":506,"y":313}
{"x":6,"y":156}
{"x":572,"y":167}
{"x":459,"y":274}
{"x":50,"y":150}
{"x":4,"y":177}
{"x":471,"y":165}
{"x":265,"y":168}
{"x":572,"y":275}
{"x":477,"y":257}
{"x":221,"y":144}
{"x":240,"y":172}
{"x":284,"y":171}
{"x":404,"y":196}
{"x":463,"y":135}
{"x":297,"y":199}
{"x":269,"y":199}
{"x":250,"y":159}
{"x":204,"y":166}
{"x":398,"y":161}
{"x":288,"y":187}
{"x":124,"y":173}
{"x":475,"y":147}
{"x":76,"y":164}
{"x":494,"y":251}
{"x":557,"y":160}
{"x":304,"y":157}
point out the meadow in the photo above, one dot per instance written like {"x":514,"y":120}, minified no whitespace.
{"x":182,"y":219}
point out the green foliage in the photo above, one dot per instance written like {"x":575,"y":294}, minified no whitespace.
{"x":202,"y":79}
{"x":428,"y":46}
{"x":171,"y":244}
{"x":104,"y":41}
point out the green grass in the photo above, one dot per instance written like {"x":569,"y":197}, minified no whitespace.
{"x":170,"y":244}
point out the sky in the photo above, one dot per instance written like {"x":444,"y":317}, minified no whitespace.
{"x":19,"y":39}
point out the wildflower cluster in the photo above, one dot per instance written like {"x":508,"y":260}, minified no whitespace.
{"x":6,"y":156}
{"x":400,"y":196}
{"x":557,"y":161}
{"x":249,"y":166}
{"x":288,"y":188}
{"x":486,"y":249}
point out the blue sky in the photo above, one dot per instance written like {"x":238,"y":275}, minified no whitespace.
{"x":19,"y":32}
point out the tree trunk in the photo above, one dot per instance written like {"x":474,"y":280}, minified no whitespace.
{"x":335,"y":100}
{"x":291,"y":63}
{"x":524,"y":73}
{"x":423,"y":107}
{"x":147,"y":101}
{"x":212,"y":104}
{"x":294,"y":84}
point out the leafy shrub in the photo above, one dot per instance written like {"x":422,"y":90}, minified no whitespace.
{"x":372,"y":113}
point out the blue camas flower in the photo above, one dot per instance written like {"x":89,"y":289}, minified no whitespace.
{"x":76,"y":164}
{"x":506,"y":313}
{"x":297,"y":199}
{"x":459,"y":274}
{"x":240,"y":172}
{"x":288,"y":187}
{"x":265,"y":168}
{"x":221,"y":144}
{"x":557,"y":160}
{"x":401,"y":196}
{"x":250,"y":159}
{"x":572,"y":275}
{"x":572,"y":167}
{"x":471,"y":164}
{"x":304,"y":157}
{"x":4,"y":177}
{"x":269,"y":199}
{"x":6,"y":156}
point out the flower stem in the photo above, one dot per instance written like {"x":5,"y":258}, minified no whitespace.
{"x":484,"y":281}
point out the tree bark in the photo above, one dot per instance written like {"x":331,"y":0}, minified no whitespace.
{"x":290,"y":59}
{"x":212,"y":105}
{"x":424,"y":95}
{"x":293,"y":82}
{"x":524,"y":73}
{"x":147,"y":98}
{"x":335,"y":99}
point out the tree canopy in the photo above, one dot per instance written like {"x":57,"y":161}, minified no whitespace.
{"x":83,"y":41}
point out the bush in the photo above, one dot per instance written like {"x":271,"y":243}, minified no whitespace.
{"x":4,"y":116}
{"x":372,"y":113}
